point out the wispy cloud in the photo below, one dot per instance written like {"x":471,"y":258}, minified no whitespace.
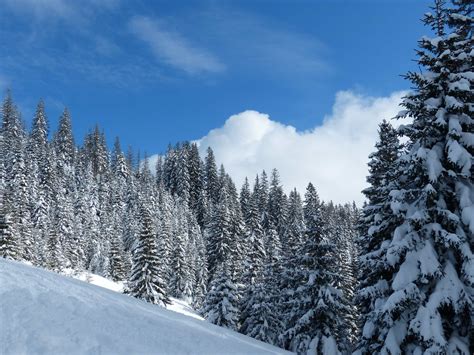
{"x":68,"y":41}
{"x":42,"y":9}
{"x":82,"y":65}
{"x":173,"y":49}
{"x":48,"y":10}
{"x":251,"y":40}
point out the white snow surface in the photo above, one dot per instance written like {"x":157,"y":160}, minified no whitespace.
{"x":177,"y":305}
{"x":45,"y":313}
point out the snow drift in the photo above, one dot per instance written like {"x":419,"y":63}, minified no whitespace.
{"x":42,"y":312}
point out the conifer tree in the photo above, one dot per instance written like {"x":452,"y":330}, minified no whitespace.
{"x":169,"y":169}
{"x":295,"y":223}
{"x":55,"y":259}
{"x":262,"y":320}
{"x":146,"y":280}
{"x":244,"y":199}
{"x":117,"y":270}
{"x":277,"y":205}
{"x":255,"y":247}
{"x":180,"y":282}
{"x":211,"y":178}
{"x":8,"y":240}
{"x":219,"y":235}
{"x":195,"y":176}
{"x":183,"y":182}
{"x":221,"y":302}
{"x":427,"y":306}
{"x":201,"y":275}
{"x":64,"y":140}
{"x":40,"y":180}
{"x":159,"y":171}
{"x":316,"y":305}
{"x":263,"y":195}
{"x":377,"y":222}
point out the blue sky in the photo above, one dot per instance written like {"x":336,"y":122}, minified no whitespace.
{"x":154,"y":72}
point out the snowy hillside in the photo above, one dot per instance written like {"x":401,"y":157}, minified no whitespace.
{"x":42,"y":312}
{"x":177,"y":305}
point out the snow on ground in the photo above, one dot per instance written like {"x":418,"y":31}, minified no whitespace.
{"x":177,"y":305}
{"x":45,"y":313}
{"x":183,"y":307}
{"x":97,"y":280}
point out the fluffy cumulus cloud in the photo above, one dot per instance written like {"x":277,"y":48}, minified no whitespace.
{"x":332,"y":155}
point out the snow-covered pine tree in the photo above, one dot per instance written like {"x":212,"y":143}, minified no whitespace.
{"x":183,"y":182}
{"x":237,"y":231}
{"x":54,"y":255}
{"x":40,"y":170}
{"x":218,"y":235}
{"x":221,"y":305}
{"x":180,"y":280}
{"x":196,"y":179}
{"x":342,"y":232}
{"x":244,"y":199}
{"x":277,"y":206}
{"x":295,"y":224}
{"x":263,"y":195}
{"x":164,"y":236}
{"x":96,"y":151}
{"x":132,"y":214}
{"x":200,"y":264}
{"x":117,"y":271}
{"x":428,"y":307}
{"x":376,"y":226}
{"x":169,"y":169}
{"x":211,"y":180}
{"x":17,"y":192}
{"x":290,"y":276}
{"x":63,"y":141}
{"x":159,"y":171}
{"x":316,"y":304}
{"x":262,"y":320}
{"x":146,"y":279}
{"x":255,"y":248}
{"x":8,"y":240}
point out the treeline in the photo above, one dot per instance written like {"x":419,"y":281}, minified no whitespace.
{"x":254,"y":260}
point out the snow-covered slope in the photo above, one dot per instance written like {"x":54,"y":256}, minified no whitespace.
{"x":177,"y":305}
{"x":45,"y":313}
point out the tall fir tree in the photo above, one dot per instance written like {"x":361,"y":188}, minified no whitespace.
{"x":9,"y":248}
{"x":117,"y":270}
{"x":377,"y":224}
{"x":221,"y":305}
{"x":146,"y":280}
{"x":211,"y":178}
{"x":428,"y":305}
{"x":316,"y":307}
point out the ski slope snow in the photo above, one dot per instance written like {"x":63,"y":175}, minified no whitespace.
{"x":176,"y":305}
{"x":45,"y":313}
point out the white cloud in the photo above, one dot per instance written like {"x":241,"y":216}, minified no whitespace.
{"x":60,"y":9}
{"x":333,"y":155}
{"x":42,"y":8}
{"x":172,"y":48}
{"x":267,"y":45}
